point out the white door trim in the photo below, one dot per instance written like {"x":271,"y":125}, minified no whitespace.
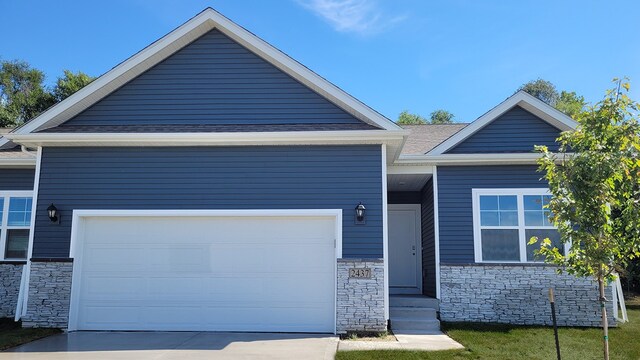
{"x":418,"y":211}
{"x":77,"y":234}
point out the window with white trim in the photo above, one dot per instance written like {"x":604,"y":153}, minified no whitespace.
{"x":505,"y":219}
{"x":15,"y":224}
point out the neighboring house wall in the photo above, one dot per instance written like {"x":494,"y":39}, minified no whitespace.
{"x":455,"y":203}
{"x":213,"y":80}
{"x":11,"y":272}
{"x":428,"y":241}
{"x":516,"y":131}
{"x":267,"y":177}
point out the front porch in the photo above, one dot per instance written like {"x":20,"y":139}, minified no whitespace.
{"x":412,"y":245}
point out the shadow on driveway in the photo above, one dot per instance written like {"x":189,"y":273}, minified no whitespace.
{"x":176,"y":345}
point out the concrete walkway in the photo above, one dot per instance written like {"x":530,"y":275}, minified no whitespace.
{"x":176,"y":345}
{"x":406,"y":341}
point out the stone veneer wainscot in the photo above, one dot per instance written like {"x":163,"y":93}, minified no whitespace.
{"x":360,"y":302}
{"x":10,"y":276}
{"x":49,"y":294}
{"x":518,"y":294}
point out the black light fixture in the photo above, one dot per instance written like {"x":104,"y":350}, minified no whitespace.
{"x":360,"y":211}
{"x":52,"y":211}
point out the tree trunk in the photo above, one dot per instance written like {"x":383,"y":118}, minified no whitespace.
{"x":605,"y":322}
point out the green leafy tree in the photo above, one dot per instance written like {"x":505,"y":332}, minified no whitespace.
{"x":22,"y":93}
{"x":441,"y":117}
{"x":407,"y":118}
{"x":543,"y":90}
{"x":570,"y":103}
{"x":71,"y":82}
{"x":594,"y":180}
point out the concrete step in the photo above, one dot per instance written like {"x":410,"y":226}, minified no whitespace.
{"x":404,"y":324}
{"x":414,"y":301}
{"x":412,"y":312}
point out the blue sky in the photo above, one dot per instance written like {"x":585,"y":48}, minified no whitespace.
{"x":462,"y":56}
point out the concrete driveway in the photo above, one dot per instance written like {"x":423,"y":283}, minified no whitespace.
{"x":176,"y":345}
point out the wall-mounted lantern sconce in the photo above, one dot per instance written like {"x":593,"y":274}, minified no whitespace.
{"x":52,"y":211}
{"x":360,"y":212}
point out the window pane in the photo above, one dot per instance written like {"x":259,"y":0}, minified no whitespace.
{"x":500,"y":245}
{"x":533,"y":218}
{"x":489,"y":218}
{"x":1,"y":208}
{"x":17,"y":244}
{"x":19,"y":211}
{"x":508,"y":202}
{"x":542,"y":234}
{"x":533,"y":202}
{"x":488,"y":202}
{"x":508,"y":218}
{"x":546,"y":221}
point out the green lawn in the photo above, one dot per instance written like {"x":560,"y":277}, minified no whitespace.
{"x":11,"y":334}
{"x":484,"y":341}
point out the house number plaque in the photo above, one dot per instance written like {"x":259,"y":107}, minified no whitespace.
{"x":362,"y":273}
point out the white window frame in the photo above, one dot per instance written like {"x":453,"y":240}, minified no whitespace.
{"x":4,"y":227}
{"x":521,"y":227}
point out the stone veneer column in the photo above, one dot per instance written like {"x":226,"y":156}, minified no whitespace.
{"x":49,"y":295}
{"x":360,"y":302}
{"x":517,"y":294}
{"x":10,"y":277}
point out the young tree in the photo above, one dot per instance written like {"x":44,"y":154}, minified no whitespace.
{"x":595,"y":185}
{"x":407,"y":118}
{"x":441,"y":117}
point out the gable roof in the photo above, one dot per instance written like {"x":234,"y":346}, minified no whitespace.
{"x":423,"y":138}
{"x":528,"y":102}
{"x":197,"y":26}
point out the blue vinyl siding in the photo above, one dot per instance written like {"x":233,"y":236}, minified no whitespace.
{"x":268,"y":177}
{"x":516,"y":131}
{"x":17,"y":179}
{"x":428,"y":241}
{"x":455,"y":203}
{"x":213,"y":80}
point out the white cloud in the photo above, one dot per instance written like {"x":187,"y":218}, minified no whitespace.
{"x":359,"y":16}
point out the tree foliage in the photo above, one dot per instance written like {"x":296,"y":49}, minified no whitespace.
{"x":23,"y":94}
{"x":441,"y":117}
{"x":71,"y":82}
{"x":568,"y":102}
{"x":407,"y":118}
{"x":436,"y":117}
{"x":542,"y":89}
{"x":595,"y":185}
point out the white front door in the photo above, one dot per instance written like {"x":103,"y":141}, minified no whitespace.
{"x":405,"y":260}
{"x":205,"y":273}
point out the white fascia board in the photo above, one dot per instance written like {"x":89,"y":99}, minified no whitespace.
{"x":189,"y":139}
{"x":18,"y":163}
{"x":521,"y":98}
{"x":469,"y":159}
{"x":174,"y":41}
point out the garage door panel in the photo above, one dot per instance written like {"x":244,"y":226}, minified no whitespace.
{"x":208,"y":273}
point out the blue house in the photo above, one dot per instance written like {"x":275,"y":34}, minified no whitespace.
{"x":212,"y":183}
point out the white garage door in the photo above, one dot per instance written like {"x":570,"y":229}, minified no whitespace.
{"x":205,"y":274}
